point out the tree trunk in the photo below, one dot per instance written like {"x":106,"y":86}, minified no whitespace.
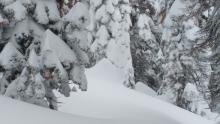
{"x":71,"y":3}
{"x":61,"y":5}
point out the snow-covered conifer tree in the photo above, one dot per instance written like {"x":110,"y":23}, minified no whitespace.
{"x":111,"y":23}
{"x":145,"y":40}
{"x":212,"y":29}
{"x":35,"y":61}
{"x":181,"y":67}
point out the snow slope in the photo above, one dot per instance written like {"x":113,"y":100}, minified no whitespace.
{"x":17,"y":112}
{"x":104,"y":103}
{"x":107,"y":98}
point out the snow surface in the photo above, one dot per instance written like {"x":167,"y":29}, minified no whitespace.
{"x":17,"y":112}
{"x":54,"y":43}
{"x":141,"y":87}
{"x":106,"y":102}
{"x":46,"y":10}
{"x":79,"y":18}
{"x":8,"y":54}
{"x":107,"y":98}
{"x":18,"y":9}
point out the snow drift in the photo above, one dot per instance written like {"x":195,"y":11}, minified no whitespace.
{"x":106,"y":102}
{"x":107,"y":98}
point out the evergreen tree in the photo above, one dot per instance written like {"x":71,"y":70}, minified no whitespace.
{"x":35,"y":61}
{"x":212,"y":29}
{"x":181,"y":66}
{"x":111,"y":23}
{"x":145,"y":40}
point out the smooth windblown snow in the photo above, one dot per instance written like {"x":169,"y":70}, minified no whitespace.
{"x":106,"y":98}
{"x":24,"y":113}
{"x":106,"y":102}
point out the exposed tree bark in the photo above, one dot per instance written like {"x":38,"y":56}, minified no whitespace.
{"x":60,"y":6}
{"x":71,"y":3}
